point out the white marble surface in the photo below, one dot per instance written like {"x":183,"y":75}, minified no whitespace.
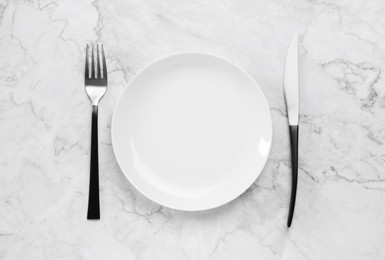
{"x":45,"y":129}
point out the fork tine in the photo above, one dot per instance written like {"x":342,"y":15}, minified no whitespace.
{"x":98,"y":61}
{"x":92,"y":63}
{"x":87,"y":71}
{"x":104,"y":63}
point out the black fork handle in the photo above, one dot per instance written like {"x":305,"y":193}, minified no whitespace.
{"x":294,"y":169}
{"x":93,"y":196}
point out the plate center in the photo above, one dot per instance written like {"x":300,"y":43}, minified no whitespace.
{"x":191,"y":131}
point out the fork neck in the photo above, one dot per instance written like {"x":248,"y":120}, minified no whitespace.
{"x":95,"y":100}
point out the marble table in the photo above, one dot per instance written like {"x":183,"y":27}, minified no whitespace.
{"x":45,"y":129}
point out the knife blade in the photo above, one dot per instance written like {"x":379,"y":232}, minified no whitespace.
{"x":291,"y":90}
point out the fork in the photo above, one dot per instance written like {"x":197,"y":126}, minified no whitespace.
{"x":96,"y":87}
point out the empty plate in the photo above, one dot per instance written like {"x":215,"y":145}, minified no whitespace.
{"x":192,"y":131}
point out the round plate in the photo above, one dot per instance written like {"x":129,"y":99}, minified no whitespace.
{"x":192,"y":131}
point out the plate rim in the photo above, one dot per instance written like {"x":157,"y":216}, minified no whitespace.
{"x":154,"y":199}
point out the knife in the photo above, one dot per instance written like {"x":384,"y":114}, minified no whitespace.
{"x":291,"y":89}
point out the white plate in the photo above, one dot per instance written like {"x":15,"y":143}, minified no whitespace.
{"x":192,"y":131}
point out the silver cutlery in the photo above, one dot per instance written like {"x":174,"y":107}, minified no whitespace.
{"x":291,"y":89}
{"x":95,"y":81}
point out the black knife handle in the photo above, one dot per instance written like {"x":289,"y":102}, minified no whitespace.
{"x":93,"y":196}
{"x":294,"y":169}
